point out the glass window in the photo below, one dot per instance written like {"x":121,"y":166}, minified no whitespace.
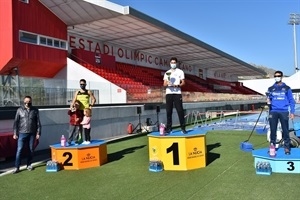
{"x":56,"y":43}
{"x":25,"y":1}
{"x":43,"y":41}
{"x":63,"y":45}
{"x":49,"y":42}
{"x":28,"y":37}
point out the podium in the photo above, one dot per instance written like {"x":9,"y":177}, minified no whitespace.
{"x":179,"y":151}
{"x":281,"y":163}
{"x":80,"y":156}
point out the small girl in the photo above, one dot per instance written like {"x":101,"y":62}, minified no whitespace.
{"x":86,"y":124}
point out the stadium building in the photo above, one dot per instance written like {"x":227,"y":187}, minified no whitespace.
{"x":121,"y":52}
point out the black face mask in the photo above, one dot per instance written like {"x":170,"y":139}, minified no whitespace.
{"x":82,"y":87}
{"x":28,"y":104}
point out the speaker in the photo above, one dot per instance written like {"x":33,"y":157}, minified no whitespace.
{"x":148,"y":121}
{"x":157,"y":109}
{"x":138,"y":110}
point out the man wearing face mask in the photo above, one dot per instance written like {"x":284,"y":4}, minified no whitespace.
{"x":173,"y":81}
{"x":83,"y":96}
{"x":282,"y":107}
{"x":27,"y":129}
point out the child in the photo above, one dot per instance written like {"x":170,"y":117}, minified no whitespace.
{"x":75,"y":119}
{"x":86,"y":124}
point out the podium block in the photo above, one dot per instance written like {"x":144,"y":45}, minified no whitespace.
{"x":80,"y":156}
{"x":179,"y":151}
{"x":281,"y":163}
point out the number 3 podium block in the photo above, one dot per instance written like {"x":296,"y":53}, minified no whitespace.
{"x":281,"y":163}
{"x":80,"y":156}
{"x":179,"y":151}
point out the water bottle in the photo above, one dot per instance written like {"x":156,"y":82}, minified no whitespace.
{"x":63,"y":141}
{"x":258,"y":166}
{"x":162,"y":129}
{"x":272,"y":150}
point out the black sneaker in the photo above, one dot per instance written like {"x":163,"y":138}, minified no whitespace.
{"x":168,"y":131}
{"x":183,"y":131}
{"x":16,"y":170}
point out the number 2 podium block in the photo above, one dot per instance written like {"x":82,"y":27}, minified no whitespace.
{"x":179,"y":151}
{"x":80,"y":156}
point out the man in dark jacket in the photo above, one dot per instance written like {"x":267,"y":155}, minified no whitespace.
{"x":282,"y":107}
{"x":27,"y":129}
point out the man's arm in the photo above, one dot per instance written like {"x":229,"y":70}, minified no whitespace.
{"x":74,"y":99}
{"x":38,"y":121}
{"x":92,"y":97}
{"x":16,"y":125}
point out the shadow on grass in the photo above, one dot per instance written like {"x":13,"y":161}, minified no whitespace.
{"x":212,"y":156}
{"x":120,"y":154}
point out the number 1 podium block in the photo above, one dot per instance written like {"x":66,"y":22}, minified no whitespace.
{"x":179,"y":151}
{"x":80,"y":156}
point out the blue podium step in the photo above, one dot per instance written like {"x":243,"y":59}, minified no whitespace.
{"x":281,"y":163}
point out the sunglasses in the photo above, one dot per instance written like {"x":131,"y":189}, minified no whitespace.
{"x":277,"y":75}
{"x":82,"y":84}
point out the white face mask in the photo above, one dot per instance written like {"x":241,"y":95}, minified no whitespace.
{"x":173,"y":66}
{"x":277,"y":79}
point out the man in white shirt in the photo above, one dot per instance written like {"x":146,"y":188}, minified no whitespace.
{"x":173,"y":81}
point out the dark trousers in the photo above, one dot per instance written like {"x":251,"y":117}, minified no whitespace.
{"x":283,"y":117}
{"x":74,"y":131}
{"x":176,"y":100}
{"x":25,"y":139}
{"x":87,"y":134}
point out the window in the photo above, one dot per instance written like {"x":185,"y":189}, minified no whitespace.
{"x":25,"y":1}
{"x":63,"y":45}
{"x":56,"y":43}
{"x":28,"y":37}
{"x":42,"y":40}
{"x":49,"y":42}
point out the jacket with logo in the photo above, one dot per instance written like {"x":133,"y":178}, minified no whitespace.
{"x":281,"y":97}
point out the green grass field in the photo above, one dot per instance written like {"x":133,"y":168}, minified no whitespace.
{"x":229,"y":174}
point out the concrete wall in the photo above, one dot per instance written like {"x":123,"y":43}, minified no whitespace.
{"x":112,"y":121}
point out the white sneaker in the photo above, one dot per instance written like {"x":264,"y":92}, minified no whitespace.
{"x":87,"y":142}
{"x":84,"y":142}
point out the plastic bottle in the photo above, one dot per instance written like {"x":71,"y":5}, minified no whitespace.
{"x":272,"y":150}
{"x":162,"y":129}
{"x":63,"y":141}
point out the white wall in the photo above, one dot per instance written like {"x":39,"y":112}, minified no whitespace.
{"x":108,"y":92}
{"x":262,"y":85}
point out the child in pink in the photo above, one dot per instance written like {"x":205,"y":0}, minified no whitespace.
{"x":86,"y":124}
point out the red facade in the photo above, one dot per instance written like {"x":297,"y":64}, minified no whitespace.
{"x":31,"y":60}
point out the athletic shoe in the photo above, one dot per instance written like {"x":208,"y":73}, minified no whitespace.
{"x":183,"y":131}
{"x":16,"y":170}
{"x":87,"y":142}
{"x":29,"y":168}
{"x":287,"y":151}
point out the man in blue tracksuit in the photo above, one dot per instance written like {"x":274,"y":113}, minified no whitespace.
{"x":282,"y":108}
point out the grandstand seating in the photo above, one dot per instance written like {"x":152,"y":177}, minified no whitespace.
{"x":142,"y":83}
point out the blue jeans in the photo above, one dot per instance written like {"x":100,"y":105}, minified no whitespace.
{"x":283,"y":117}
{"x":25,"y":139}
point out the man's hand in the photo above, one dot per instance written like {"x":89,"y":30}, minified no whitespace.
{"x":292,"y":116}
{"x":15,"y":136}
{"x":37,"y":136}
